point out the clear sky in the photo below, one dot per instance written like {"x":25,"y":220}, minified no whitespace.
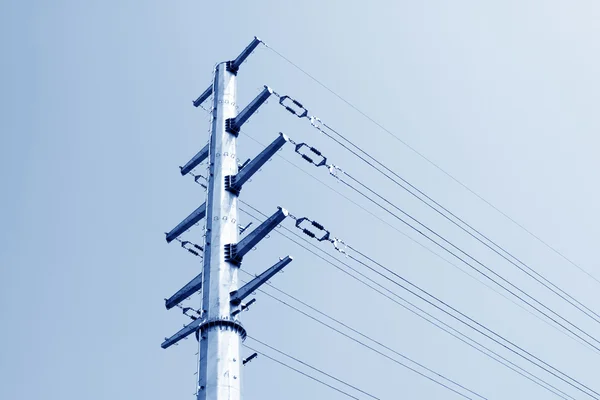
{"x":97,"y":116}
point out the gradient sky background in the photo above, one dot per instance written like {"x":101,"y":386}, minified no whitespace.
{"x":97,"y":115}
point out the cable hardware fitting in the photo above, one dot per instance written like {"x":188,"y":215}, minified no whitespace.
{"x":307,"y":232}
{"x":300,"y":113}
{"x":340,"y":246}
{"x":185,"y":244}
{"x":334,"y":170}
{"x":309,"y":159}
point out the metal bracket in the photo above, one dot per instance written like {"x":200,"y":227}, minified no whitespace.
{"x":233,"y":125}
{"x":187,"y":223}
{"x":243,"y":307}
{"x":245,"y":53}
{"x":247,"y":360}
{"x":246,"y":307}
{"x":242,"y":165}
{"x":190,"y":288}
{"x":197,"y":159}
{"x":235,"y":252}
{"x":243,"y":228}
{"x":231,"y":254}
{"x":230,"y":184}
{"x":234,"y":183}
{"x":232,"y":66}
{"x":238,"y":295}
{"x":205,"y":95}
{"x":182,"y":334}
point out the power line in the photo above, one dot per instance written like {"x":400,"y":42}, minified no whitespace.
{"x":316,"y":122}
{"x":383,"y":354}
{"x":468,"y":255}
{"x":221,"y":206}
{"x":469,"y":264}
{"x":546,"y":282}
{"x":246,"y":134}
{"x":460,"y":320}
{"x":437,"y":319}
{"x":501,"y":344}
{"x":556,"y":251}
{"x":334,"y":170}
{"x":303,"y":373}
{"x":494,"y":289}
{"x":376,"y":351}
{"x":505,"y":362}
{"x":313,"y":368}
{"x":479,"y":324}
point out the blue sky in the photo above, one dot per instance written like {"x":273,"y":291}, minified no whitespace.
{"x":97,"y":116}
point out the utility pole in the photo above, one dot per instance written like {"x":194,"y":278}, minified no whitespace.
{"x":217,"y":326}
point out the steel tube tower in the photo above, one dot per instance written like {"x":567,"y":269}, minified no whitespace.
{"x":216,"y":324}
{"x":220,"y":334}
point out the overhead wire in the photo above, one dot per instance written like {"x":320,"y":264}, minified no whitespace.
{"x":502,"y":360}
{"x":302,"y":112}
{"x":303,"y":373}
{"x":485,"y":328}
{"x":567,"y":330}
{"x":525,"y":357}
{"x":463,"y":260}
{"x":390,"y":358}
{"x":511,"y":255}
{"x":450,"y":314}
{"x":494,"y":289}
{"x":246,"y":134}
{"x":578,"y":388}
{"x":373,"y":349}
{"x":311,"y":367}
{"x":484,"y":275}
{"x":421,"y":155}
{"x":528,"y":270}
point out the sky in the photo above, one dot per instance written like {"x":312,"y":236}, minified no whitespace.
{"x":97,"y":117}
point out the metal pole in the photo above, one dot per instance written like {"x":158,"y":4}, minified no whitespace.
{"x":217,"y":328}
{"x":220,"y":334}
